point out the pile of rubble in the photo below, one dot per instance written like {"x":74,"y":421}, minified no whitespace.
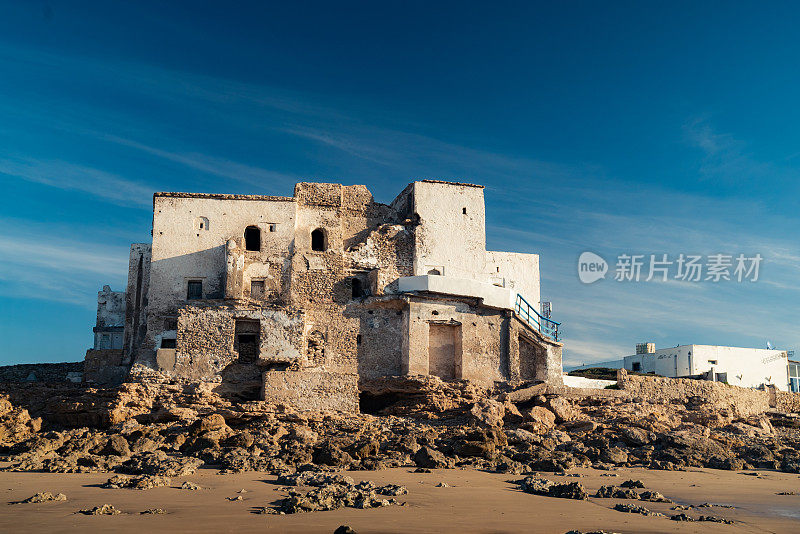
{"x":169,"y":430}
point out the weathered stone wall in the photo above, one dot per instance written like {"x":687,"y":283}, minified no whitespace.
{"x":532,"y":356}
{"x":740,"y":401}
{"x":481,"y":353}
{"x":205,"y":343}
{"x":104,"y":367}
{"x":379,"y":337}
{"x":42,"y":372}
{"x":309,"y":390}
{"x":787,"y":402}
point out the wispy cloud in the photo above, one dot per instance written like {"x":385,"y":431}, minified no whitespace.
{"x":211,"y":165}
{"x":33,"y":265}
{"x":75,"y":177}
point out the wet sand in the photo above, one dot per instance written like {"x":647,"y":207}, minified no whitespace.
{"x":475,"y":502}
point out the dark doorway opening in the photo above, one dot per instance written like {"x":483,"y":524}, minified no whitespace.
{"x":318,"y":241}
{"x":252,"y":238}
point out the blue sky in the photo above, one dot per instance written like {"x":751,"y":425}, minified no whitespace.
{"x":614,"y":127}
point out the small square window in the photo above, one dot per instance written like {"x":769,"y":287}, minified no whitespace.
{"x":636,"y":366}
{"x":171,"y":323}
{"x":712,"y":362}
{"x":168,"y":343}
{"x":273,"y":227}
{"x":257,"y":289}
{"x":194,"y":290}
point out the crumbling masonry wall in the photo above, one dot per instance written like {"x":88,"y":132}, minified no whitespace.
{"x":740,"y":401}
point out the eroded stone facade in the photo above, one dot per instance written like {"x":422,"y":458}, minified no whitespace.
{"x":328,"y":286}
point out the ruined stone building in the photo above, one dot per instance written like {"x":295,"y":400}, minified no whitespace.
{"x":294,"y":299}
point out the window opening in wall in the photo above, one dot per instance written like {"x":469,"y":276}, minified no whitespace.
{"x":435,"y":271}
{"x":272,"y":227}
{"x":712,"y":362}
{"x":194,"y":290}
{"x":245,"y":342}
{"x":318,"y":241}
{"x":171,"y":323}
{"x":464,"y":211}
{"x":257,"y":289}
{"x":358,"y":289}
{"x":167,"y":343}
{"x":252,"y":238}
{"x":358,"y":339}
{"x":636,"y":366}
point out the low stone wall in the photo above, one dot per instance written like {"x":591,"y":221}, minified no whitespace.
{"x":42,"y":372}
{"x":308,"y":390}
{"x":787,"y":402}
{"x":743,"y":402}
{"x":104,"y":367}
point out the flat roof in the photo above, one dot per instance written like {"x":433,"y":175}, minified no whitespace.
{"x":431,"y":181}
{"x":221,"y":196}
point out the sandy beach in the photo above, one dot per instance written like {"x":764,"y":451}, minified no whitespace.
{"x":475,"y":501}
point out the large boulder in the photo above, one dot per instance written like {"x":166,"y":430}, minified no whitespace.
{"x":430,"y":458}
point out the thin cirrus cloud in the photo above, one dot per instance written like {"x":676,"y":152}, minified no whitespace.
{"x":76,"y":177}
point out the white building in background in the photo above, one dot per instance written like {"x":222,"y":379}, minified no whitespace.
{"x":734,"y":365}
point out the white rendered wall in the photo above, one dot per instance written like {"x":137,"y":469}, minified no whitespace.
{"x":183,"y":251}
{"x":745,"y":367}
{"x":454,"y":242}
{"x":447,"y":239}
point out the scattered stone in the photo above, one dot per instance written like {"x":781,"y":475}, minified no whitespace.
{"x":635,"y":509}
{"x":392,"y":490}
{"x":153,"y":511}
{"x":106,"y":509}
{"x":442,"y":485}
{"x":786,"y":493}
{"x":632,"y":484}
{"x":45,"y":496}
{"x":715,"y":519}
{"x":653,"y":496}
{"x":237,"y":498}
{"x":611,"y":492}
{"x":680,"y":517}
{"x":542,"y":486}
{"x":422,"y":470}
{"x":191,"y":486}
{"x":143,"y":482}
{"x":344,"y":529}
{"x":332,"y":497}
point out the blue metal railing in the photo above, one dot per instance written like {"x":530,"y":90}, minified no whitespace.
{"x":547,"y":327}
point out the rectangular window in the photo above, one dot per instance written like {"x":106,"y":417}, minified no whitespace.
{"x":257,"y":289}
{"x":171,"y":323}
{"x":194,"y":290}
{"x":636,"y":366}
{"x":712,"y":362}
{"x":168,"y":343}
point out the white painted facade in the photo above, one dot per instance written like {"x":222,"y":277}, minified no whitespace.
{"x":451,"y":241}
{"x":737,"y":366}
